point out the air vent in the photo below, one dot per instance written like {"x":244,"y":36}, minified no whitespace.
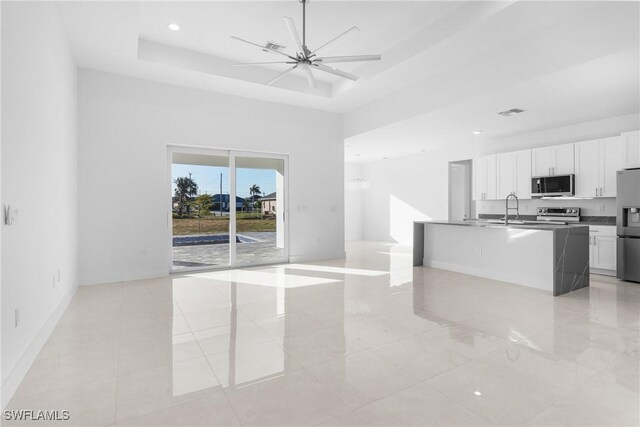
{"x":272,"y":46}
{"x":511,"y":112}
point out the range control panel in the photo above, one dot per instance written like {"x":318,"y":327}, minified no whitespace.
{"x":555,"y":214}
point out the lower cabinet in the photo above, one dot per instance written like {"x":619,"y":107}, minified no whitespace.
{"x":602,"y":249}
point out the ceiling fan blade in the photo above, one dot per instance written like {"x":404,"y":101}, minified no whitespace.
{"x":263,"y":47}
{"x":291,"y":27}
{"x":309,"y":75}
{"x":352,"y":58}
{"x":244,"y":64}
{"x":335,"y":72}
{"x":337,"y":39}
{"x":279,"y":76}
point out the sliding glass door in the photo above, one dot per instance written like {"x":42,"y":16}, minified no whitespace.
{"x":260,"y":224}
{"x":227,"y":208}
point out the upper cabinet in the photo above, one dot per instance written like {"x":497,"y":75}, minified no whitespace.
{"x":514,"y":174}
{"x":554,"y":160}
{"x":596,"y":164}
{"x":631,"y":150}
{"x":485,"y":178}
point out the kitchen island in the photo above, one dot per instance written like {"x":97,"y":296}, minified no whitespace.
{"x":545,"y":256}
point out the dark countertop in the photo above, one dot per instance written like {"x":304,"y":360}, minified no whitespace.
{"x":514,"y":225}
{"x":584,"y":220}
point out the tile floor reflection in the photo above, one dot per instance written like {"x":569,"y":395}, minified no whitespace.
{"x":369,"y":340}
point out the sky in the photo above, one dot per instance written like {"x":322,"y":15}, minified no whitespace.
{"x":208,"y":179}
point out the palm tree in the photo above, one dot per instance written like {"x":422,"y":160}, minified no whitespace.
{"x":186,"y":189}
{"x":254,"y":191}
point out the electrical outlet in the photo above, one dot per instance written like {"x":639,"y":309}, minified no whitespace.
{"x":16,"y":316}
{"x":53,"y":280}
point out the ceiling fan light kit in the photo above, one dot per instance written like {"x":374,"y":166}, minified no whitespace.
{"x":305,"y":59}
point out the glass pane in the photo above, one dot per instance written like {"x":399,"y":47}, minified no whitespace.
{"x":200,"y":202}
{"x":260,"y":221}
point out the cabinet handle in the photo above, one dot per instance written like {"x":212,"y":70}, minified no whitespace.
{"x":596,"y":191}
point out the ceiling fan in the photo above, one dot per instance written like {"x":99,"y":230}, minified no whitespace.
{"x":308,"y":60}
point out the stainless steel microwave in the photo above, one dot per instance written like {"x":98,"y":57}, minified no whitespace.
{"x":555,"y":185}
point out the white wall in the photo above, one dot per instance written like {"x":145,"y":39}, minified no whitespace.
{"x":125,"y":125}
{"x":404,"y":190}
{"x":39,"y":179}
{"x":354,"y":189}
{"x":415,"y":187}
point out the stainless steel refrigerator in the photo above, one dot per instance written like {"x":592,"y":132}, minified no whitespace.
{"x":628,"y":225}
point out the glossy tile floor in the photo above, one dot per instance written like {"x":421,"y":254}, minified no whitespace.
{"x":366,"y":341}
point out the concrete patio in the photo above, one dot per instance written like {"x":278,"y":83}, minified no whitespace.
{"x":262,"y":251}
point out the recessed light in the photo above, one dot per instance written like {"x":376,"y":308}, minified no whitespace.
{"x":174,"y":27}
{"x":477,"y":393}
{"x":476,"y":132}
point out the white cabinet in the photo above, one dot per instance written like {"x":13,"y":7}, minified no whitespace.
{"x":630,"y":150}
{"x":554,"y":160}
{"x":514,"y":174}
{"x":611,"y":152}
{"x":541,"y":160}
{"x":564,"y":162}
{"x":602,"y":249}
{"x":596,"y":164}
{"x":485,"y":178}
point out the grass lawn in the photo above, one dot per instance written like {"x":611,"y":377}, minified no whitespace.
{"x":218,"y":225}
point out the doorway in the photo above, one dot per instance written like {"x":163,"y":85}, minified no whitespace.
{"x":461,"y":205}
{"x":228,"y":208}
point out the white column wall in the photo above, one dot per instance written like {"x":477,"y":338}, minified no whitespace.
{"x":39,"y":180}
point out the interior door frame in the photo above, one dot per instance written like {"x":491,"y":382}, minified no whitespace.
{"x":231,"y":155}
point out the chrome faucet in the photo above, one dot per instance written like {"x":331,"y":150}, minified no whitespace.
{"x":507,"y":208}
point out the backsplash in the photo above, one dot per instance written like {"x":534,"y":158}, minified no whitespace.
{"x":589,"y":207}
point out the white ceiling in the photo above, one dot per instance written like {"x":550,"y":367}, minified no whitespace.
{"x":447,"y":68}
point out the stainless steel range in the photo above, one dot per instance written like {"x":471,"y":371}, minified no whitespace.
{"x":558,"y":214}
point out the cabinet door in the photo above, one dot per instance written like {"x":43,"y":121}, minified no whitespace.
{"x":541,"y":159}
{"x":507,"y":164}
{"x":523,"y":174}
{"x":587,"y":155}
{"x":611,"y":162}
{"x":564,"y":160}
{"x":492,"y":177}
{"x":631,"y":150}
{"x":605,"y":252}
{"x":479,"y":178}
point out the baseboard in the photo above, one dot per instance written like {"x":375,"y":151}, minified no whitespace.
{"x":316,"y":258}
{"x":10,"y":385}
{"x":602,"y":272}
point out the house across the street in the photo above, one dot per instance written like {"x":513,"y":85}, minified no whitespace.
{"x":268,"y":203}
